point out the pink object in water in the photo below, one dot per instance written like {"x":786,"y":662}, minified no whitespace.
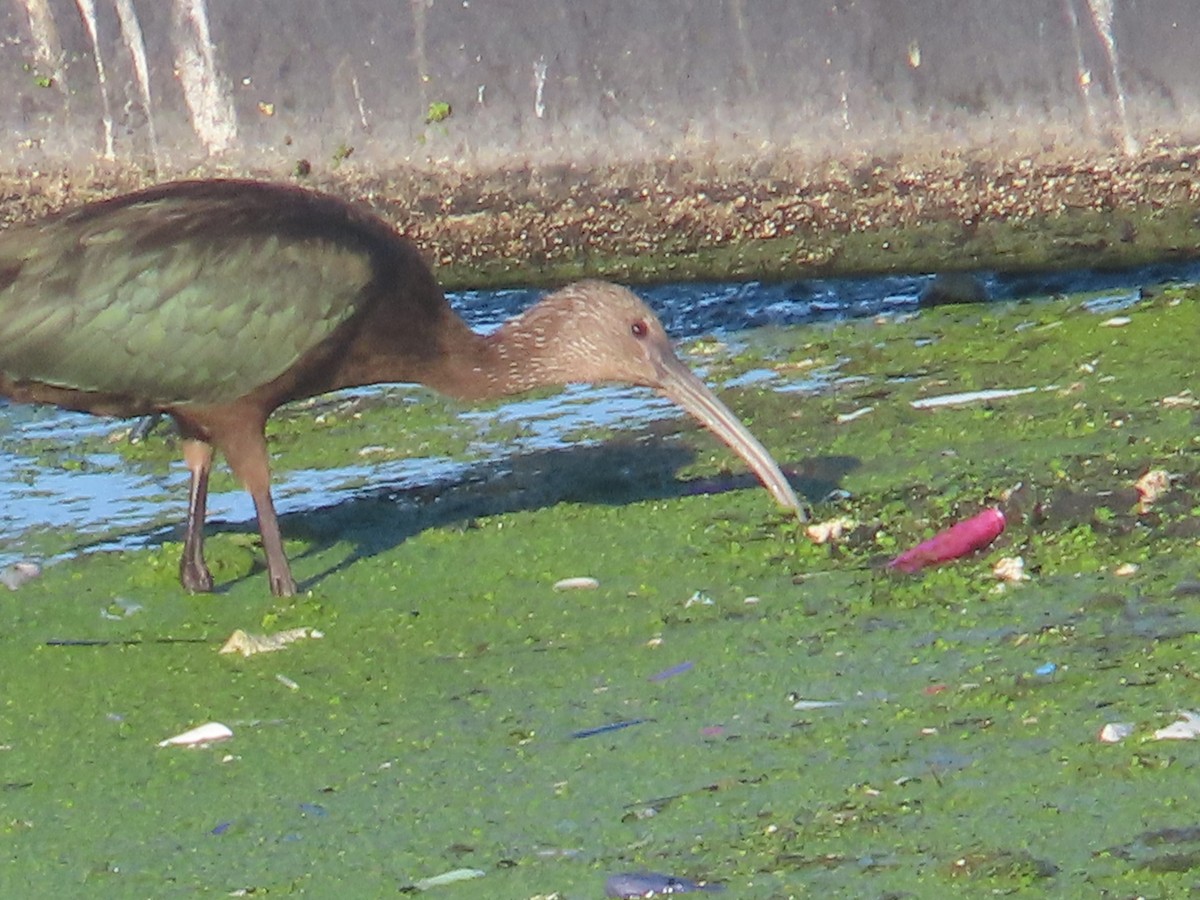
{"x":957,"y":540}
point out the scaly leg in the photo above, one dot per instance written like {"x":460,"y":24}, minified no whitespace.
{"x":193,"y":571}
{"x":247,"y":456}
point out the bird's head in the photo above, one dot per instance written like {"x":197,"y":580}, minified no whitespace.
{"x":595,"y":331}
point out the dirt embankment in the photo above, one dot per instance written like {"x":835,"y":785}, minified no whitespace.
{"x":775,"y":217}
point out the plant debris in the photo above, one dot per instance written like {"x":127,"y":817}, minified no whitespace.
{"x":248,"y":644}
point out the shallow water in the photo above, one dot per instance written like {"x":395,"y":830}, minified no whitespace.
{"x":111,"y":503}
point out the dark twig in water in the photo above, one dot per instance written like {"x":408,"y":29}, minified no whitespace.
{"x":111,"y":642}
{"x":677,"y":669}
{"x":611,"y":726}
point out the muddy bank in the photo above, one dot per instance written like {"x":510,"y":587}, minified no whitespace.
{"x":780,"y":216}
{"x":545,"y":140}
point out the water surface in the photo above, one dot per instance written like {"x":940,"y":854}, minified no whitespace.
{"x":112,"y":503}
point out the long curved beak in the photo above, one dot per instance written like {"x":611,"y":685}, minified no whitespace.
{"x":678,"y":383}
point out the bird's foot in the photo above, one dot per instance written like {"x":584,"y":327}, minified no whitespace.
{"x":196,"y":578}
{"x":283,"y":584}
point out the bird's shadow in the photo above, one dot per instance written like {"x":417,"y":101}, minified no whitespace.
{"x":614,"y":473}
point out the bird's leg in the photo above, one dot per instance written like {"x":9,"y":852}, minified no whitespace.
{"x":193,"y":572}
{"x":282,"y":582}
{"x":247,"y":456}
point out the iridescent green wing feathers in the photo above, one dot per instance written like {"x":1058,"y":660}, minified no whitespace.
{"x":177,"y":297}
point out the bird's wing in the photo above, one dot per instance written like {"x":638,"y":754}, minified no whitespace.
{"x":174,"y":299}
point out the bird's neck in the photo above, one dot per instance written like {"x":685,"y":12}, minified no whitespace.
{"x":510,"y":360}
{"x":443,"y":353}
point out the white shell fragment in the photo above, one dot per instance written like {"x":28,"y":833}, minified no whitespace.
{"x":12,"y":577}
{"x":248,"y":644}
{"x":816,"y":704}
{"x":200,"y":736}
{"x":969,"y":397}
{"x":581,"y":583}
{"x":1186,"y":728}
{"x":450,"y":877}
{"x":843,"y":418}
{"x":1151,"y":486}
{"x":831,"y":530}
{"x":1115,"y":732}
{"x":286,"y":682}
{"x":1010,"y":568}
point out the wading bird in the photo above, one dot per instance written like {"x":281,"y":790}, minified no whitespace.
{"x":215,"y":302}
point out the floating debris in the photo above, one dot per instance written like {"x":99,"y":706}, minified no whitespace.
{"x":1150,"y":487}
{"x":1184,"y":400}
{"x":248,"y":644}
{"x":958,"y":540}
{"x":579,"y":583}
{"x":559,"y":852}
{"x":1116,"y":322}
{"x":1112,"y":302}
{"x":799,"y":703}
{"x":200,"y":736}
{"x":1114,"y":732}
{"x":286,"y":682}
{"x":12,"y":577}
{"x":969,"y":397}
{"x":652,"y":884}
{"x":120,"y":608}
{"x":1126,"y":569}
{"x":1046,"y":669}
{"x":677,"y":669}
{"x":451,"y":877}
{"x":1010,"y":569}
{"x":831,"y":530}
{"x":1186,"y":728}
{"x":843,"y":418}
{"x":698,"y":599}
{"x":611,"y":726}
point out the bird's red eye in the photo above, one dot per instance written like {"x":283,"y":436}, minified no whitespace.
{"x":639,"y":329}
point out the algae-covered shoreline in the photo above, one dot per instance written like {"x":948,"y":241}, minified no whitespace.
{"x":773,"y":215}
{"x":431,"y":728}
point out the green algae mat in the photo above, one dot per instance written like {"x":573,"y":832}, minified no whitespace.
{"x":733,"y":703}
